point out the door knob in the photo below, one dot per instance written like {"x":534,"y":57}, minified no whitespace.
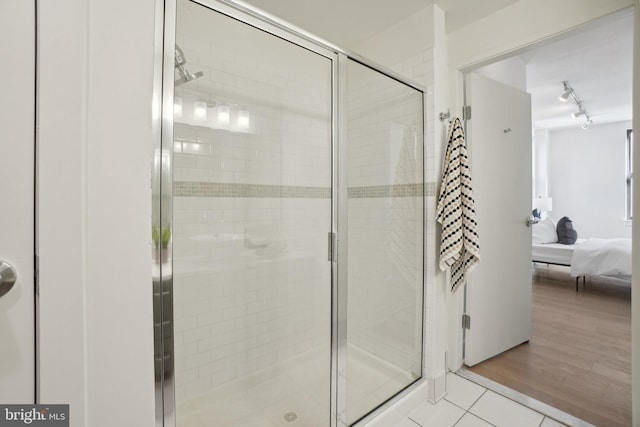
{"x":531,"y":220}
{"x":8,"y":277}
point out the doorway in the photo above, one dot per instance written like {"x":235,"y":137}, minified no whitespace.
{"x":613,"y":33}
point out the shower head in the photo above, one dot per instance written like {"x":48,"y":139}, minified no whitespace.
{"x":185,"y":75}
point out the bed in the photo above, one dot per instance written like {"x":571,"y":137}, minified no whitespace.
{"x":555,"y":254}
{"x":587,"y":257}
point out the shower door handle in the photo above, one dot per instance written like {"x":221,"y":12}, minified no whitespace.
{"x":8,"y":277}
{"x":331,"y":245}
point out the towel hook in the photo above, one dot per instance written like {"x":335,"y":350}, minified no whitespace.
{"x":445,"y":116}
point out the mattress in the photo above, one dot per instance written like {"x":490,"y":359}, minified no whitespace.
{"x":553,"y":253}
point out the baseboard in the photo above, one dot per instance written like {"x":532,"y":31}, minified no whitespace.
{"x":437,"y":387}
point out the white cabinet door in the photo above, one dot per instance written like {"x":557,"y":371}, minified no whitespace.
{"x":17,"y":118}
{"x":499,"y":289}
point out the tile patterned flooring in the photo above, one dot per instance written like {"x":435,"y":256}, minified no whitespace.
{"x":468,"y":404}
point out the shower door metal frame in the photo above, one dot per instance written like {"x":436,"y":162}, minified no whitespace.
{"x":162,"y":185}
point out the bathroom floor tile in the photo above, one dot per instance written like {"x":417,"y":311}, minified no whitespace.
{"x":190,"y":420}
{"x":548,"y":422}
{"x":407,"y":423}
{"x":442,"y":413}
{"x":461,"y":391}
{"x":470,"y":420}
{"x":500,"y":411}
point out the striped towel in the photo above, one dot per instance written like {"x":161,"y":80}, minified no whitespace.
{"x":459,"y":246}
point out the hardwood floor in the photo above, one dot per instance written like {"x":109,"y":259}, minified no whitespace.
{"x":579,"y":358}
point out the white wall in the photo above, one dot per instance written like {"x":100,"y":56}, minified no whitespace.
{"x":586,"y":178}
{"x":95,"y":91}
{"x":510,"y":71}
{"x":402,"y":41}
{"x":540,"y":163}
{"x":118,"y":202}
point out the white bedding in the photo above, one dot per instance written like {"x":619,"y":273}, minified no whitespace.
{"x":594,"y":257}
{"x":553,"y":253}
{"x":602,"y":257}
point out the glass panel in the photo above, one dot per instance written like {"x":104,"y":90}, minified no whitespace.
{"x":385,"y":238}
{"x":252,"y":209}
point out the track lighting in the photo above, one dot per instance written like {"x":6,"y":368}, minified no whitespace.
{"x":570,"y":93}
{"x":568,"y":90}
{"x":578,"y":114}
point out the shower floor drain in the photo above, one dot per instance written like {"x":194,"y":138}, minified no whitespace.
{"x":290,"y":417}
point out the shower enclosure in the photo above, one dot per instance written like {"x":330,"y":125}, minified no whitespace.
{"x":288,"y":226}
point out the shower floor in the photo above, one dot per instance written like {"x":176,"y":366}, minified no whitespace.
{"x":297,"y":396}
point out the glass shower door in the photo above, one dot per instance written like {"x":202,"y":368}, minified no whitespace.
{"x":252,"y":206}
{"x":385,"y":201}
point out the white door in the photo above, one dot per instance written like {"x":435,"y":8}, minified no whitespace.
{"x":499,"y":289}
{"x":17,"y":118}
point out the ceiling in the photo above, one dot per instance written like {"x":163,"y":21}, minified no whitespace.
{"x":348,"y":22}
{"x":596,"y":60}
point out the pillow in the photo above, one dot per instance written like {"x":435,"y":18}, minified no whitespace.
{"x":544,"y":232}
{"x":566,"y":234}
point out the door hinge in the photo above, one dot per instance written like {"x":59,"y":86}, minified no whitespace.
{"x":331,"y":244}
{"x":466,"y":112}
{"x":466,"y":321}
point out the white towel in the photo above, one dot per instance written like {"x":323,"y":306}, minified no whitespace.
{"x":459,"y":245}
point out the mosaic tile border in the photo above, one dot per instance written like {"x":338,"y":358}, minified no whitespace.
{"x":219,"y":189}
{"x":386,"y":191}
